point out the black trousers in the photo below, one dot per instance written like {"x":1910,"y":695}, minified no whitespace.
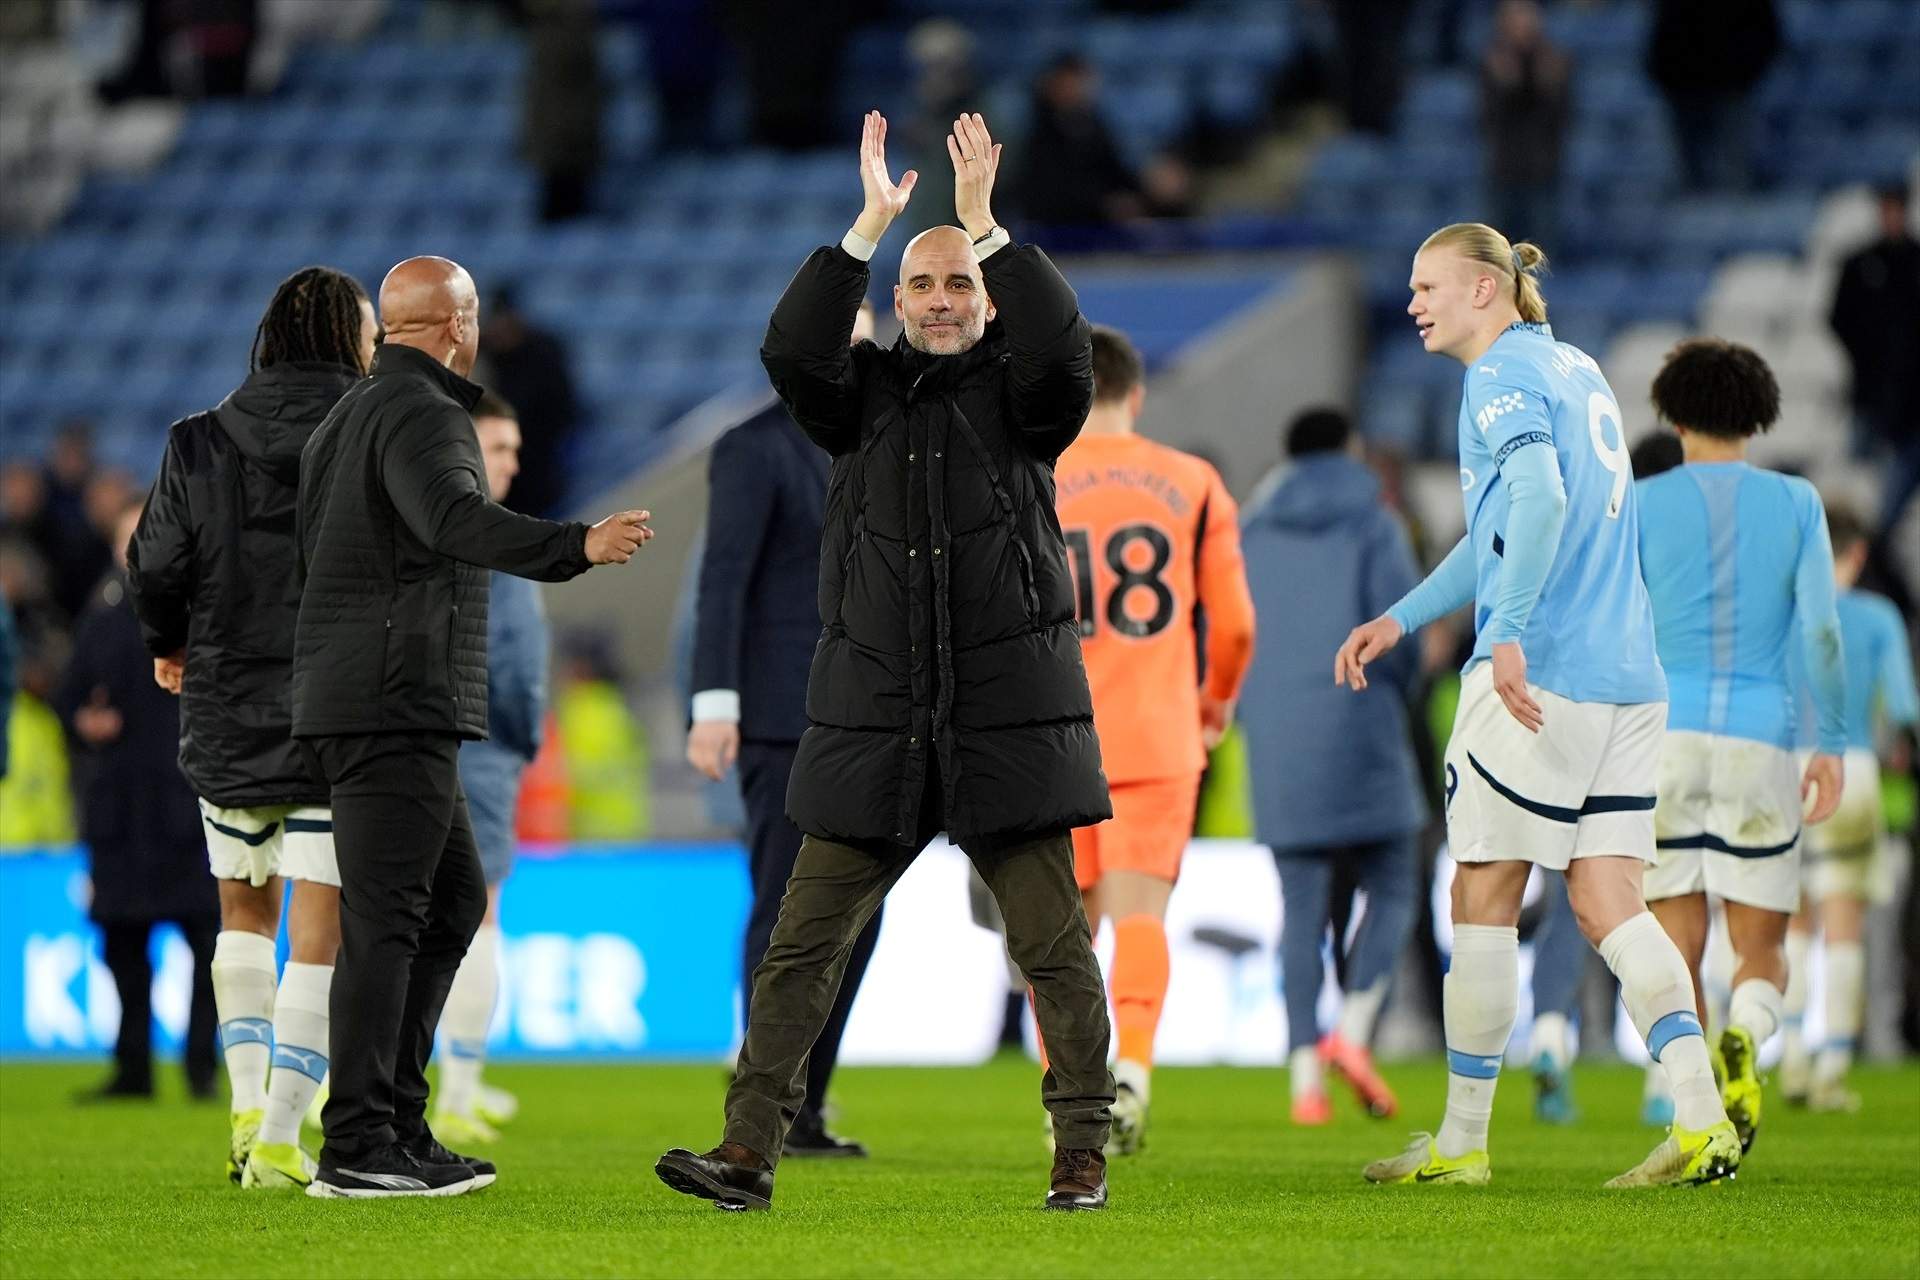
{"x":411,"y":897}
{"x":125,"y":945}
{"x":773,"y":842}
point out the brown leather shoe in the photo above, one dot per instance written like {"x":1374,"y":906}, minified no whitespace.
{"x":730,"y":1175}
{"x":1079,"y":1179}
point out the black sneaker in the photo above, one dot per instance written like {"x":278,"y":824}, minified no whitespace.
{"x":427,"y":1149}
{"x":809,"y":1138}
{"x":389,"y":1171}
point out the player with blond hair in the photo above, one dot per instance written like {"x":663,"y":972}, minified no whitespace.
{"x":1556,"y":743}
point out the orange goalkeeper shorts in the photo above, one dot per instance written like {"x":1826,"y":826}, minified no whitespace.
{"x":1148,"y":833}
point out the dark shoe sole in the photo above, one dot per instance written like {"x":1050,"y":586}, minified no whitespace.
{"x":1075,"y":1204}
{"x":688,"y":1180}
{"x":850,"y":1151}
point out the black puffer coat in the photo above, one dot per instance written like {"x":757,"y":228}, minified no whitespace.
{"x":396,"y":535}
{"x":946,"y":607}
{"x":211,"y":569}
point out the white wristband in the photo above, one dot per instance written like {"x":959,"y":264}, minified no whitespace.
{"x":717,"y":704}
{"x":858,"y":245}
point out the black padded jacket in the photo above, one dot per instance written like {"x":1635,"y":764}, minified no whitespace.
{"x":946,"y":606}
{"x":396,"y":534}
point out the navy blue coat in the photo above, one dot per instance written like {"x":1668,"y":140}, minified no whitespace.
{"x":1329,"y":766}
{"x":758,"y":618}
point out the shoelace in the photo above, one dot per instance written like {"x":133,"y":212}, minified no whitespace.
{"x":1077,"y":1162}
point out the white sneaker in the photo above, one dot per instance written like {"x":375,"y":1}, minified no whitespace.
{"x":495,"y":1105}
{"x":1129,"y":1132}
{"x":1832,"y":1097}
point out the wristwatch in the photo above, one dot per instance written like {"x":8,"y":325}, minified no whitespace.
{"x":992,"y":231}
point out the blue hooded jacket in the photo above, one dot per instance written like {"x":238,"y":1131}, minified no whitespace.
{"x":1329,"y":766}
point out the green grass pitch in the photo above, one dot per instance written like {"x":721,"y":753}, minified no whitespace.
{"x":1226,"y":1188}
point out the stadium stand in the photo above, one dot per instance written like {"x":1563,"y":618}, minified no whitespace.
{"x":137,"y":306}
{"x":1841,"y":107}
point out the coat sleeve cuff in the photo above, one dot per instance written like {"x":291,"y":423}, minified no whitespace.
{"x":858,"y":246}
{"x":717,"y":704}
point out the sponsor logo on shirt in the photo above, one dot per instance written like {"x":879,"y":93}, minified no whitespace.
{"x":1496,"y":408}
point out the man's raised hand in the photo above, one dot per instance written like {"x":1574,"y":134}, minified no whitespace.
{"x":976,"y":162}
{"x":615,"y":539}
{"x":886,"y":200}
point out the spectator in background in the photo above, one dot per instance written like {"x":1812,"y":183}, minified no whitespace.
{"x":1336,"y":792}
{"x":1072,"y":174}
{"x":1876,"y":315}
{"x":563,"y":103}
{"x":9,"y":661}
{"x":603,"y":743}
{"x":1373,"y":35}
{"x":754,"y":639}
{"x":687,"y":60}
{"x":58,"y":525}
{"x":528,"y":367}
{"x":792,"y":65}
{"x":944,"y":85}
{"x":1523,"y":110}
{"x":141,"y":825}
{"x":1707,"y":56}
{"x":36,"y":807}
{"x":188,"y":49}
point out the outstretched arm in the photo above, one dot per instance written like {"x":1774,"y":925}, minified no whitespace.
{"x":1447,"y":588}
{"x":431,"y":473}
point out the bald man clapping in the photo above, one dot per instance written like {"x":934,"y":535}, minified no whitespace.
{"x":396,"y":533}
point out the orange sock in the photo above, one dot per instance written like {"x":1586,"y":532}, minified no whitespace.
{"x":1140,"y":965}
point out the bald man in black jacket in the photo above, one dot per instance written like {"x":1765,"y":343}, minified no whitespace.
{"x":389,"y":676}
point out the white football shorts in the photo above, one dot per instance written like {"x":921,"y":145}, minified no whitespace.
{"x":1728,"y":822}
{"x":1583,"y":787}
{"x":1849,"y":855}
{"x":257,"y":844}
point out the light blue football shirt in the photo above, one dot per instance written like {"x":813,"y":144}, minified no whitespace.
{"x":1589,"y":636}
{"x":1879,"y":670}
{"x":1734,"y":557}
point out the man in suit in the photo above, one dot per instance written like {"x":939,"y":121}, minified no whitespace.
{"x":754,"y":634}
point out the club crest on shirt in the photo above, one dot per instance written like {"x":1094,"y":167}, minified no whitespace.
{"x":1466,"y":479}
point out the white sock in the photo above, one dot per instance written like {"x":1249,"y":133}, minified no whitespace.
{"x":1359,"y":1010}
{"x":1716,"y":976}
{"x":243,"y":983}
{"x":1137,"y":1076}
{"x":1846,"y":971}
{"x":1657,"y":1085}
{"x":1793,"y":1009}
{"x":464,"y":1022}
{"x":1552,"y":1036}
{"x":300,"y":1049}
{"x":1658,"y":993}
{"x":1303,"y":1072}
{"x":1755,"y":1009}
{"x":1481,"y":999}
